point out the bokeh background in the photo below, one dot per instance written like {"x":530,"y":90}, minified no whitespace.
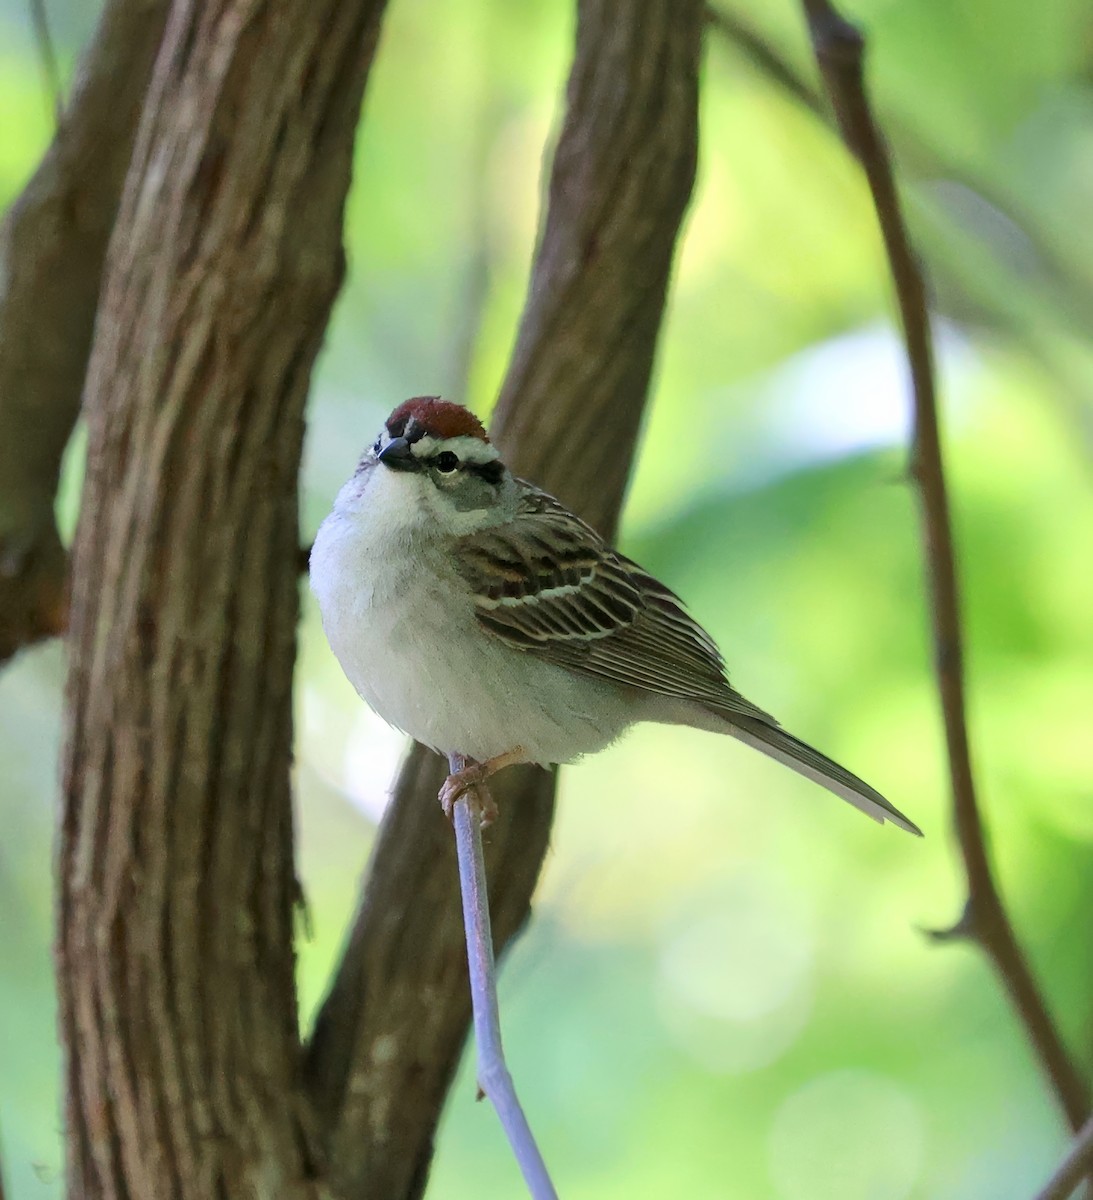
{"x":725,"y":990}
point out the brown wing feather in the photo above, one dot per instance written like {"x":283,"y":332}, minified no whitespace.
{"x":548,"y":584}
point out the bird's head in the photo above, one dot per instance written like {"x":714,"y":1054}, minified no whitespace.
{"x":433,"y":463}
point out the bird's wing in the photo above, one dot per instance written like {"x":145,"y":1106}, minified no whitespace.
{"x":548,"y":584}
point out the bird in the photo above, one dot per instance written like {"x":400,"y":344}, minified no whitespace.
{"x":474,"y":612}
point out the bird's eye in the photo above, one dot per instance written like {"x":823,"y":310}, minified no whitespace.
{"x":376,"y":447}
{"x":447,"y":462}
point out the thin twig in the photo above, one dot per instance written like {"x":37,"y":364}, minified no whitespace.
{"x":839,"y":50}
{"x":763,"y":55}
{"x":1065,"y":288}
{"x":1075,"y":1166}
{"x":494,"y":1078}
{"x":47,"y":57}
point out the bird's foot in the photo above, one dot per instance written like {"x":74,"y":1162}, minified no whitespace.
{"x":471,"y":778}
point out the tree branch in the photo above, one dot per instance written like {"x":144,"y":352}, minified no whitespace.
{"x":177,"y":888}
{"x":1076,"y":1166}
{"x":1068,"y":290}
{"x":769,"y":61}
{"x":52,"y":243}
{"x":839,"y":50}
{"x":388,"y":1035}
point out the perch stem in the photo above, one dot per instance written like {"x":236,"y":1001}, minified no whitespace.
{"x":494,"y":1079}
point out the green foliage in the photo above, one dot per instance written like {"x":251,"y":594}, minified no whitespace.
{"x":725,"y":991}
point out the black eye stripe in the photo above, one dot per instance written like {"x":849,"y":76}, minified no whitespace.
{"x":491,"y":472}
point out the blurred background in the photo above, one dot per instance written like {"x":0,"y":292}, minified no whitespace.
{"x":725,"y":990}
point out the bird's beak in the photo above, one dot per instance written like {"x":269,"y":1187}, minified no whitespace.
{"x":396,"y":455}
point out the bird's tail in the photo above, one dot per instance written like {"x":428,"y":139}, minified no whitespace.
{"x":774,"y":741}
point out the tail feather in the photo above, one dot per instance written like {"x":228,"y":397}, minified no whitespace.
{"x":774,"y":741}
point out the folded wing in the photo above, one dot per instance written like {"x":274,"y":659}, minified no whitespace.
{"x":548,"y":584}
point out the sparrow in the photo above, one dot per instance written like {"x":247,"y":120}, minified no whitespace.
{"x":476,"y":613}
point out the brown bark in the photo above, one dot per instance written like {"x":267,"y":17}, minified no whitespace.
{"x":388,"y":1036}
{"x":52,"y":244}
{"x":177,"y":888}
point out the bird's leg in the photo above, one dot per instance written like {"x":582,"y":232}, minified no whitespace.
{"x":470,"y":775}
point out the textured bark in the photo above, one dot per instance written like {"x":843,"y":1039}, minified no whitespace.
{"x":52,"y":245}
{"x":572,"y":402}
{"x":177,"y":887}
{"x":389,"y":1034}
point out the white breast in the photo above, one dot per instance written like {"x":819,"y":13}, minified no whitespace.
{"x":401,"y":623}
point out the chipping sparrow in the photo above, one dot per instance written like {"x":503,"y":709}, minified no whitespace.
{"x":474,"y":612}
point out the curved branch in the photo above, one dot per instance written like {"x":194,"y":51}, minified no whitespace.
{"x":52,"y":244}
{"x":839,"y":50}
{"x":389,"y":1034}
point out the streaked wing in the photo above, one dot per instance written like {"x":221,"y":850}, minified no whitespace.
{"x":547,"y":581}
{"x":548,"y":584}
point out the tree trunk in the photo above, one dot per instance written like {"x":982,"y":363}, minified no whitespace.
{"x":388,"y":1036}
{"x":176,"y":865}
